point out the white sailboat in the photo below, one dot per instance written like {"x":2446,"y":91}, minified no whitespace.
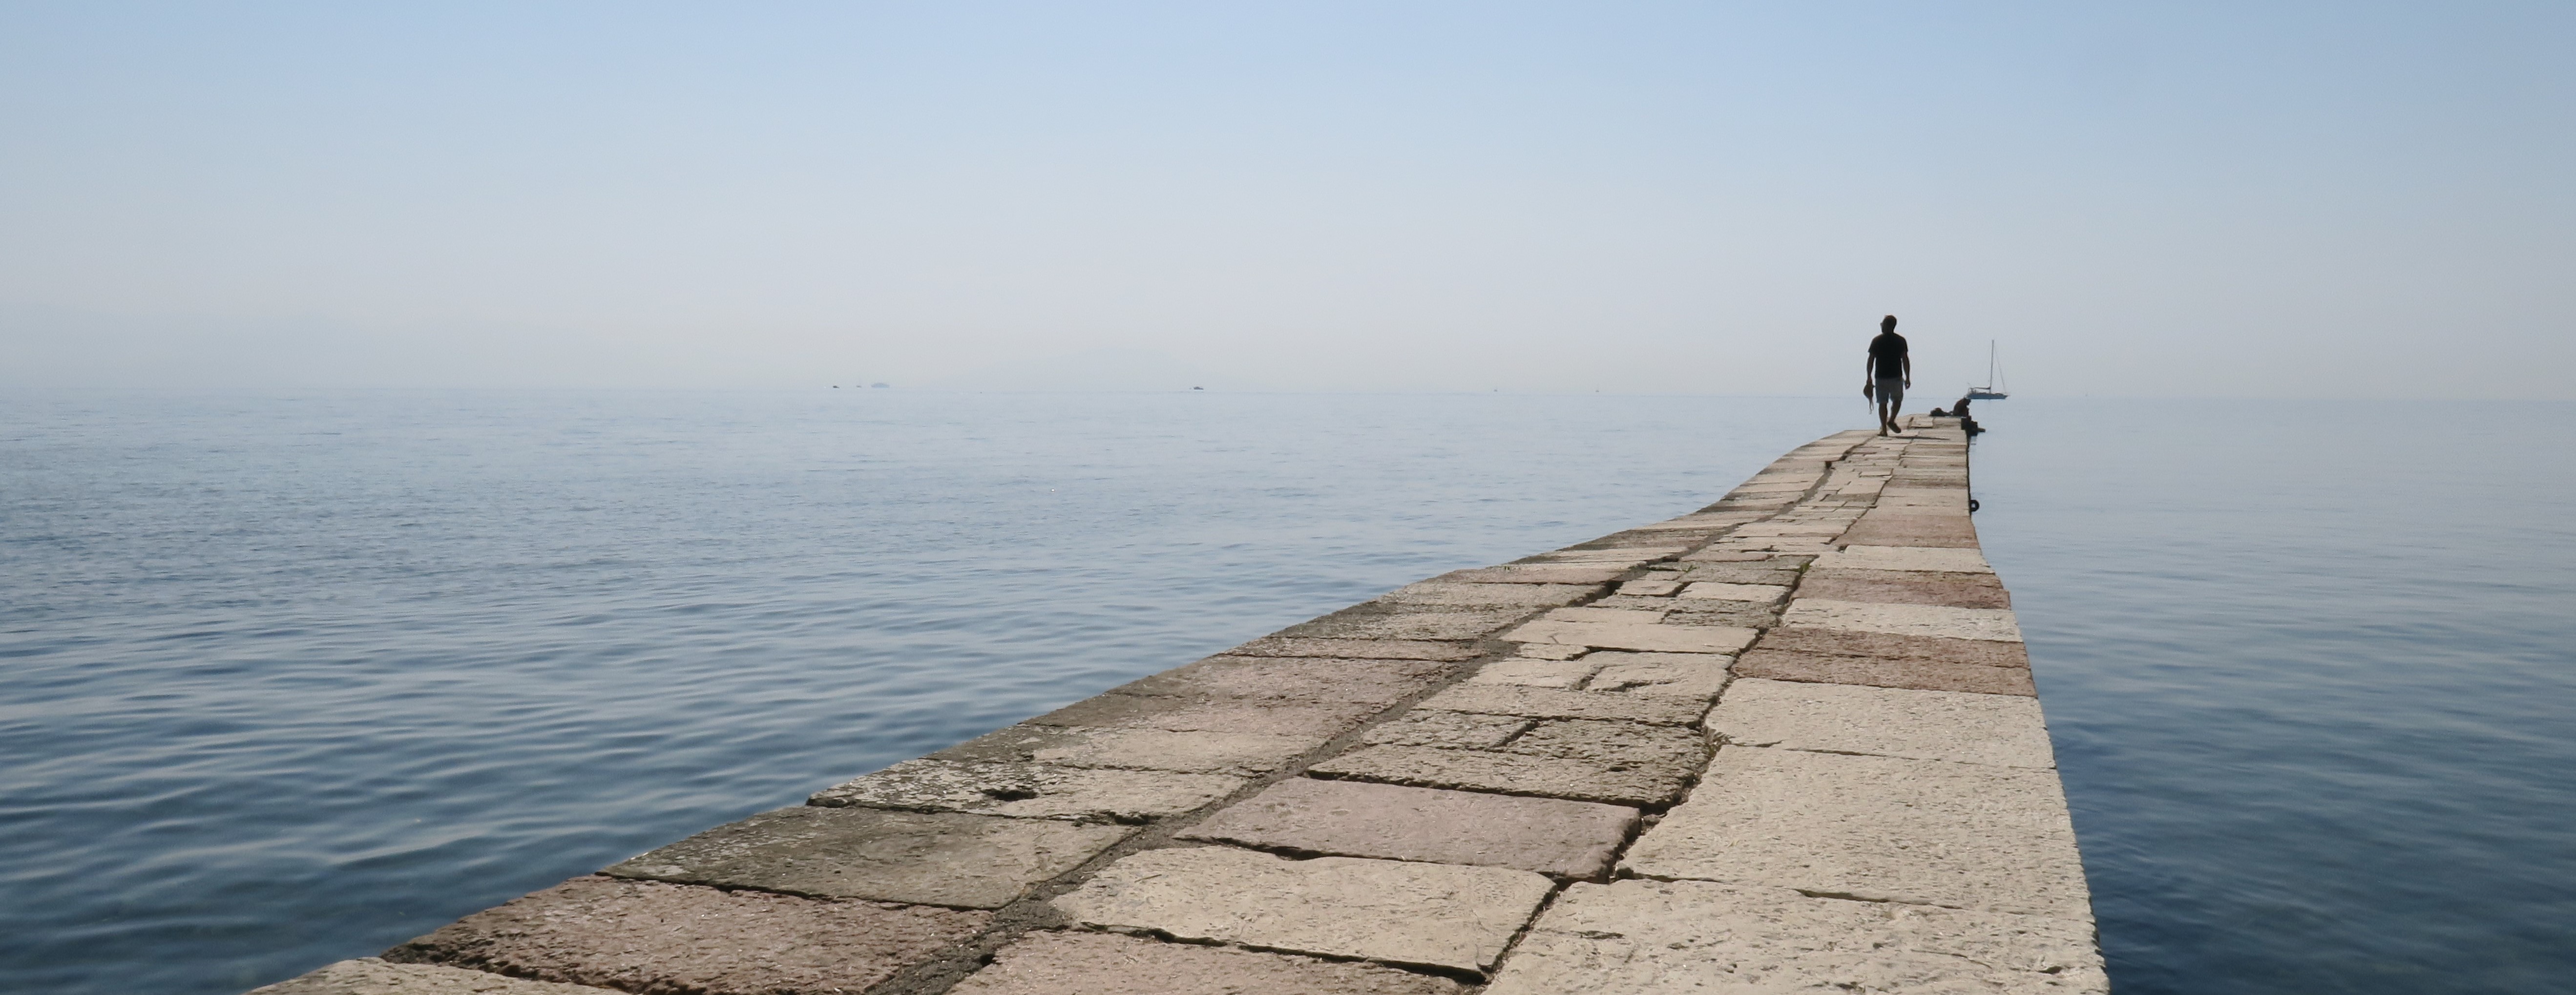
{"x":1993,"y":390}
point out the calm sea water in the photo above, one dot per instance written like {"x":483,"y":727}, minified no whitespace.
{"x":293,"y":678}
{"x":2310,"y":676}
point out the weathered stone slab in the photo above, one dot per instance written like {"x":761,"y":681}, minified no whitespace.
{"x":1907,"y":587}
{"x":1607,"y":616}
{"x":1627,"y":557}
{"x":1356,"y":649}
{"x":1634,"y":636}
{"x":1692,"y":561}
{"x":1512,"y":773}
{"x":1537,"y":673}
{"x":1619,"y":763}
{"x":1438,"y":915}
{"x":1448,"y":730}
{"x":1716,"y":612}
{"x":1058,"y":963}
{"x":1650,"y":588}
{"x":1985,"y":652}
{"x":1949,"y":499}
{"x":1876,"y":828}
{"x":1550,"y":703}
{"x":1761,"y":572}
{"x":1966,"y":561}
{"x":1521,"y":596}
{"x":1888,"y":722}
{"x":1140,"y":749}
{"x":1696,"y":676}
{"x":1936,"y":621}
{"x":1372,"y":620}
{"x":1673,"y":937}
{"x":1030,"y":791}
{"x":370,"y":976}
{"x":1536,"y":573}
{"x":930,"y":858}
{"x":1711,"y":522}
{"x":1757,"y":593}
{"x":1615,"y":745}
{"x":646,"y":936}
{"x":1886,"y":672}
{"x":1888,"y":527}
{"x":1551,"y":651}
{"x":1373,"y":682}
{"x":1319,"y":721}
{"x":1360,"y":819}
{"x":1792,"y":528}
{"x":1657,"y":606}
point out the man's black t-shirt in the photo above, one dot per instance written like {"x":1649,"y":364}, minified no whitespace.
{"x":1887,"y":356}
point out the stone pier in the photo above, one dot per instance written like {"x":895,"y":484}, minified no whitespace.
{"x":1788,"y":742}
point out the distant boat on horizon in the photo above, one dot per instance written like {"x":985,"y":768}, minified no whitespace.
{"x":1991,"y":391}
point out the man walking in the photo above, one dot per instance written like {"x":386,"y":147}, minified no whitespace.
{"x":1889,"y":372}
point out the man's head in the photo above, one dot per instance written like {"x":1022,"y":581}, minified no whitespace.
{"x":1887,"y":324}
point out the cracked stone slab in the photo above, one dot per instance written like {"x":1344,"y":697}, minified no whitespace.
{"x":1697,"y":676}
{"x":1651,"y":637}
{"x":1510,"y":773}
{"x":1373,"y":620}
{"x":1361,"y":819}
{"x":1437,"y":915}
{"x":1448,"y":730}
{"x":1537,"y":672}
{"x":1935,"y":621}
{"x":1763,"y":594}
{"x":1845,"y":642}
{"x":1925,"y":675}
{"x":1644,"y":605}
{"x":1063,"y":963}
{"x":649,"y":936}
{"x":1608,"y":616}
{"x":1520,"y":596}
{"x":1202,"y":752}
{"x":1318,"y":721}
{"x":929,"y":858}
{"x":1876,"y":828}
{"x":1673,"y":937}
{"x":1617,"y":763}
{"x":1758,"y":572}
{"x":1616,"y":746}
{"x":1937,"y":559}
{"x":1649,"y":588}
{"x":1551,"y":703}
{"x":1711,"y":611}
{"x":370,"y":976}
{"x":1030,"y":791}
{"x":1907,"y":587}
{"x":1356,"y":649}
{"x":1537,"y":573}
{"x":1374,"y":682}
{"x":1888,"y":722}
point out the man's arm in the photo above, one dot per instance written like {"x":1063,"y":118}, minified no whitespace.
{"x":1909,"y":371}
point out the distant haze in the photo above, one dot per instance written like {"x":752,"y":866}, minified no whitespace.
{"x":2174,"y":200}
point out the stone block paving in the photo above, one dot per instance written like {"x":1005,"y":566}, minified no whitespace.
{"x":1353,"y":819}
{"x":1062,"y":963}
{"x":1458,"y":918}
{"x":648,"y":936}
{"x":1787,"y":742}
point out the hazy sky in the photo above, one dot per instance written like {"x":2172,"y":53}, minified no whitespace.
{"x":2310,"y":200}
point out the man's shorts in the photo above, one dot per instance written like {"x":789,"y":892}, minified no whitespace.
{"x":1891,"y":389}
